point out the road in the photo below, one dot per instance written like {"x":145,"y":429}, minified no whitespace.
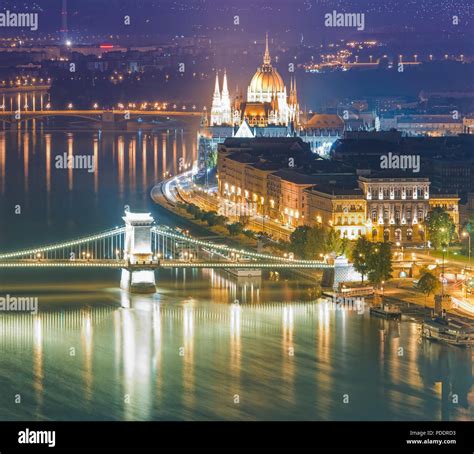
{"x":180,"y":187}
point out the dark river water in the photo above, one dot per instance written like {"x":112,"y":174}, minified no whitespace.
{"x":186,"y":352}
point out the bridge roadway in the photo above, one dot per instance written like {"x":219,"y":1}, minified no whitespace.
{"x":94,"y":113}
{"x":119,"y":263}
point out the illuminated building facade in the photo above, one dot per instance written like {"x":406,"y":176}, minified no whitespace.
{"x":268,"y":100}
{"x":384,"y":209}
{"x":344,"y":209}
{"x":270,"y":110}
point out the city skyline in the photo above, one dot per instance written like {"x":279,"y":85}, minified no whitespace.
{"x":243,"y":210}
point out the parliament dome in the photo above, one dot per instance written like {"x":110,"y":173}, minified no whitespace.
{"x":267,"y":80}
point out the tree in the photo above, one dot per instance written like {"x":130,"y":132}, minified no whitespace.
{"x":316,"y":242}
{"x":428,"y":283}
{"x":335,"y":243}
{"x":298,"y":241}
{"x":469,"y":232}
{"x":249,"y":234}
{"x":308,"y":242}
{"x":211,"y":160}
{"x":380,"y":263}
{"x":440,"y":227}
{"x":470,"y":224}
{"x":360,"y":256}
{"x":221,"y":220}
{"x":235,"y":229}
{"x":212,"y":218}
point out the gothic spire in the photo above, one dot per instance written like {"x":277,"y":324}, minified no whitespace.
{"x":217,"y":89}
{"x":266,"y":58}
{"x":225,"y":89}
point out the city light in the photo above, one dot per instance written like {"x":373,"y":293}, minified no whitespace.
{"x":236,"y":210}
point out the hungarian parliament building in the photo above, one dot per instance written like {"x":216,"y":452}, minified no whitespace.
{"x":270,"y":110}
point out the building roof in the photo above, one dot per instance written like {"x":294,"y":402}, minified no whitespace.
{"x":296,"y":177}
{"x":324,"y":121}
{"x":427,"y":119}
{"x":266,"y":166}
{"x":267,"y":146}
{"x":243,"y":157}
{"x":436,"y":195}
{"x":390,"y":175}
{"x":338,"y":190}
{"x":319,"y":166}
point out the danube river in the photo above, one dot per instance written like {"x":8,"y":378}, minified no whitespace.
{"x":187,"y":352}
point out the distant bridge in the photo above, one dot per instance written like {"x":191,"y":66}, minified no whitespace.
{"x":105,"y":116}
{"x":140,"y":248}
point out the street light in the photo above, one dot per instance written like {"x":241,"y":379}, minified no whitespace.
{"x":444,"y":252}
{"x":468,"y":235}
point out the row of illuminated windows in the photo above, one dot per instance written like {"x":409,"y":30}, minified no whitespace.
{"x":397,"y":193}
{"x":386,"y":215}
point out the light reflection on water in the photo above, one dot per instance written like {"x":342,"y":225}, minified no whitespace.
{"x":177,"y":356}
{"x":188,"y":352}
{"x":60,"y":202}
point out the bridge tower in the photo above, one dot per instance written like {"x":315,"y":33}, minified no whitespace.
{"x":139,"y":275}
{"x":343,"y":272}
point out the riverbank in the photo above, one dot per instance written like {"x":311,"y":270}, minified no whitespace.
{"x":399,"y":291}
{"x":164,"y":195}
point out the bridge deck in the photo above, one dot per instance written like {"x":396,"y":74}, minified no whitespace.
{"x":121,"y":112}
{"x":154,"y":265}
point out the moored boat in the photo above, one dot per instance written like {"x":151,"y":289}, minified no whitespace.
{"x":388,"y":311}
{"x":447,"y":331}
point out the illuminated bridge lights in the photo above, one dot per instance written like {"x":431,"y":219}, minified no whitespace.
{"x":162,"y":264}
{"x":45,"y":256}
{"x":61,"y":264}
{"x":68,"y":244}
{"x":242,"y":252}
{"x":243,"y":265}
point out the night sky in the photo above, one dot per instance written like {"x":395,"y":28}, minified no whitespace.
{"x":209,"y":17}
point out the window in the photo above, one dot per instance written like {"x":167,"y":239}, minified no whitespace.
{"x":398,"y":235}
